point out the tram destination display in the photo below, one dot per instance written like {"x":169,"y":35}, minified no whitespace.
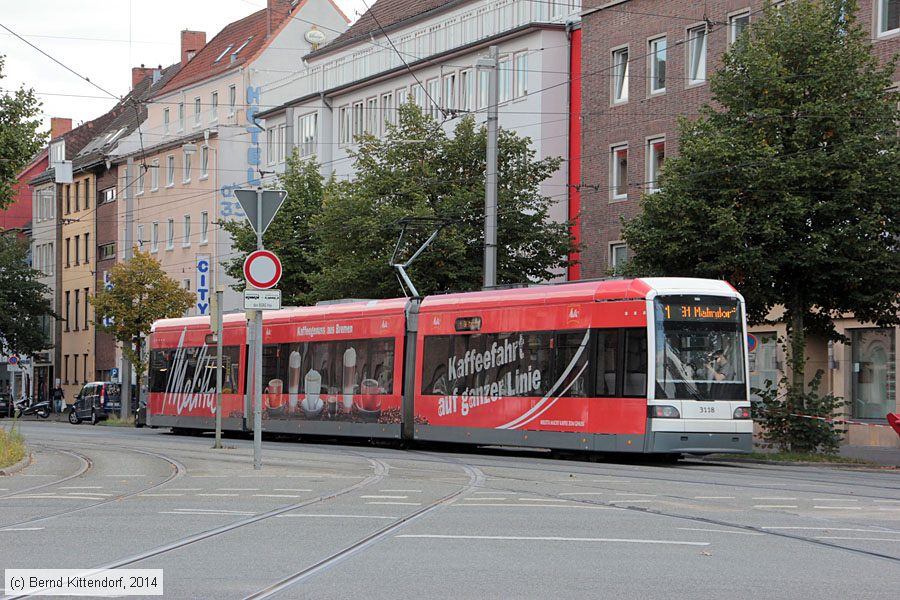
{"x":703,"y":310}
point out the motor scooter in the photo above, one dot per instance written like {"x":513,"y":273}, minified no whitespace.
{"x":23,"y":409}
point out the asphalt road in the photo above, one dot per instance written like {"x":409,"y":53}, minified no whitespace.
{"x":353,"y":521}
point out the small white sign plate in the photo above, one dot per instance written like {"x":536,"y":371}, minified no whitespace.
{"x":262,"y":299}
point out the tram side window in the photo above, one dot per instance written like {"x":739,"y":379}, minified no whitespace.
{"x":571,"y":360}
{"x":160,"y":366}
{"x":635,"y":362}
{"x":607,"y":361}
{"x":187,"y":370}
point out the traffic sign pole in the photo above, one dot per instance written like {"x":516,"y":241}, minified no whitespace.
{"x":257,"y":358}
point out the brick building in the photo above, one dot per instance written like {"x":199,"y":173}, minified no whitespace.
{"x":646,"y":63}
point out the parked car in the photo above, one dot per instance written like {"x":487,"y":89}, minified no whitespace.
{"x":95,"y":402}
{"x":6,"y":405}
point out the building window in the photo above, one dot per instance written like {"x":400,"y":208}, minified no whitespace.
{"x":140,"y":180}
{"x":620,"y":75}
{"x":358,"y":122}
{"x":450,"y":91}
{"x":87,"y":305}
{"x":388,"y":111}
{"x":68,"y":199}
{"x":418,"y":95}
{"x":140,"y":236}
{"x":307,"y":132}
{"x":108,"y":251}
{"x":874,"y":372}
{"x":77,"y":307}
{"x":165,"y":120}
{"x":466,"y":90}
{"x":68,"y":306}
{"x":402,"y":96}
{"x":68,"y":252}
{"x":618,"y":256}
{"x":75,"y":369}
{"x":87,"y":193}
{"x":281,"y":143}
{"x":154,"y":237}
{"x":520,"y":64}
{"x":656,"y":154}
{"x":85,"y":366}
{"x":344,"y":125}
{"x":154,"y":175}
{"x":619,"y":172}
{"x":77,"y":250}
{"x":170,"y":234}
{"x":204,"y":162}
{"x":232,"y":100}
{"x":505,"y":79}
{"x":214,"y":107}
{"x":204,"y":227}
{"x":696,"y":54}
{"x":763,"y":362}
{"x":270,"y":146}
{"x":87,"y":247}
{"x":657,"y":57}
{"x":373,"y":117}
{"x":197,"y":108}
{"x":170,"y":170}
{"x":888,"y":16}
{"x":77,"y":196}
{"x":186,"y":241}
{"x":737,"y":24}
{"x":434,"y":97}
{"x":181,"y":116}
{"x":186,"y":167}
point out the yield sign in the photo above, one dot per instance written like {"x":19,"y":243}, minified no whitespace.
{"x":262,"y":269}
{"x":271,"y":202}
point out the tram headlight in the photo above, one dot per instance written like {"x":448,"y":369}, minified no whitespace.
{"x":664,"y":412}
{"x":742,"y":412}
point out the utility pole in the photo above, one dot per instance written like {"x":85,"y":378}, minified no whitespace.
{"x":257,"y":358}
{"x":218,"y":316}
{"x":125,"y":389}
{"x":490,"y":190}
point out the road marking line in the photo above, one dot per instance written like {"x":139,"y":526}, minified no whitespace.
{"x":770,"y":498}
{"x":898,"y":508}
{"x":632,"y":501}
{"x":161,"y":495}
{"x":304,"y":515}
{"x":398,"y":503}
{"x":713,"y":497}
{"x":275,"y":496}
{"x":885,"y":501}
{"x":23,"y":529}
{"x":835,"y":529}
{"x":485,"y":498}
{"x":719,"y":531}
{"x":237,"y":489}
{"x":219,"y":495}
{"x":386,"y":497}
{"x":128,"y":475}
{"x":88,"y":494}
{"x":634,"y":494}
{"x":483,"y":493}
{"x":583,"y":493}
{"x":237,"y":512}
{"x":216,"y":514}
{"x":81,"y":487}
{"x":51,"y":498}
{"x":539,"y":505}
{"x":774,"y":506}
{"x":824,"y":537}
{"x":540,"y":500}
{"x":208,"y":476}
{"x":292,"y":490}
{"x":516,"y":538}
{"x":839,"y":507}
{"x":834,"y":500}
{"x":184,"y":489}
{"x":410,"y":491}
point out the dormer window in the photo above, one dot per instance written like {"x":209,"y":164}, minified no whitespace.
{"x":224,"y":52}
{"x":241,"y":47}
{"x":58,"y":152}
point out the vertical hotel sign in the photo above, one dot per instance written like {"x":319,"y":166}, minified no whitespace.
{"x":229,"y":207}
{"x":203,"y":276}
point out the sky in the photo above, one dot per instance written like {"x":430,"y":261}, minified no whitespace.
{"x":102,"y":40}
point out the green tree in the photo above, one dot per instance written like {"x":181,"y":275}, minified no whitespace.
{"x":141,"y":293}
{"x":288,"y":236}
{"x":19,"y":139}
{"x":417,"y":170}
{"x":788,"y":184}
{"x":24,"y":301}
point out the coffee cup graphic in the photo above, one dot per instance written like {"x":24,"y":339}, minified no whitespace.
{"x":368,"y":402}
{"x":293,"y":379}
{"x":312,"y":404}
{"x":349,"y":378}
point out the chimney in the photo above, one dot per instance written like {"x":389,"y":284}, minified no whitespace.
{"x":191,"y":43}
{"x":59,"y":126}
{"x":276,"y":12}
{"x":138,"y":74}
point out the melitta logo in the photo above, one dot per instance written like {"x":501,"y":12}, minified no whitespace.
{"x":384,"y":324}
{"x":574,"y":313}
{"x":436,"y":321}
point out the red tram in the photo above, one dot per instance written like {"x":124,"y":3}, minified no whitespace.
{"x":654,"y":365}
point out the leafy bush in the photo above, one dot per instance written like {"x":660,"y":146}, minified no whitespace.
{"x":12,"y":447}
{"x":778,"y":413}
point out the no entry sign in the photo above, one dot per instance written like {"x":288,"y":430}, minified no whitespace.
{"x":262,"y":269}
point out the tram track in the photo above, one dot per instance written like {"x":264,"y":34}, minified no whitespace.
{"x":178,"y":470}
{"x":86,"y":465}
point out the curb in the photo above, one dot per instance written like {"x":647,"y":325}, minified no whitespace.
{"x":833,"y":465}
{"x":17,"y":467}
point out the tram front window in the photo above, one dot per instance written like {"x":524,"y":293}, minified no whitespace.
{"x":699,"y":348}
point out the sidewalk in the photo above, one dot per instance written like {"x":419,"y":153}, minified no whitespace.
{"x":876,"y":454}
